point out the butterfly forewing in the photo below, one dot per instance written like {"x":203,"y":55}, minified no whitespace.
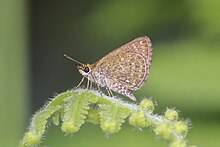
{"x":129,"y":64}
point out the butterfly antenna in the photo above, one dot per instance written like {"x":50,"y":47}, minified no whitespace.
{"x":72,"y":59}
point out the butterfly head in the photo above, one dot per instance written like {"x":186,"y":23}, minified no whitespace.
{"x":84,"y":69}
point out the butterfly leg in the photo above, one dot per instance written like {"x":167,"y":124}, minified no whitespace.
{"x":109,"y":92}
{"x":90,"y":88}
{"x":99,"y":89}
{"x":87,"y":87}
{"x":80,"y":82}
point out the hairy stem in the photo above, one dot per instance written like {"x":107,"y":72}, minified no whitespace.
{"x":75,"y":107}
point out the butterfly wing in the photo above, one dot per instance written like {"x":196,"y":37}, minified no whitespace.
{"x":128,"y":64}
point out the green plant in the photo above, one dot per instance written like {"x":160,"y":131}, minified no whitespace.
{"x":75,"y":107}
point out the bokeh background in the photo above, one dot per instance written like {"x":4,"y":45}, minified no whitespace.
{"x":185,"y":73}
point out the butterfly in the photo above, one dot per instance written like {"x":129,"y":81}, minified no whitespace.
{"x":123,"y":70}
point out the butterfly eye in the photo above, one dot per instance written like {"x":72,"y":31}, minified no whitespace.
{"x":86,"y":70}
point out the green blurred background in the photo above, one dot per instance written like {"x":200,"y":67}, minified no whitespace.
{"x":185,"y":73}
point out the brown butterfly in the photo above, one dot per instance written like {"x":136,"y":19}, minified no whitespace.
{"x":123,"y":70}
